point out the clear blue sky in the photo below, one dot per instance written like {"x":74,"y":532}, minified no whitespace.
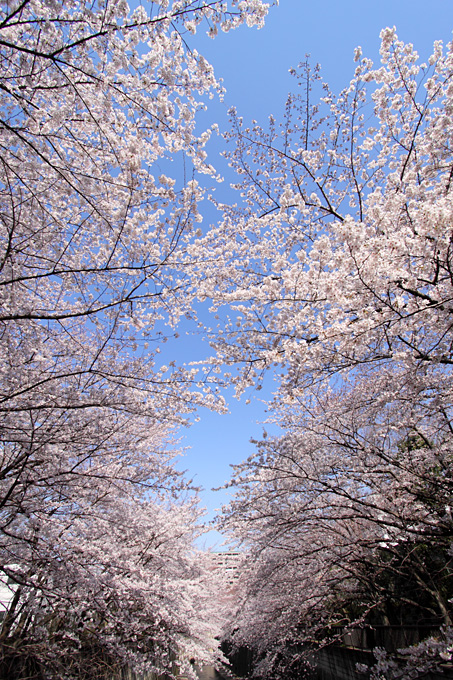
{"x":254,"y":66}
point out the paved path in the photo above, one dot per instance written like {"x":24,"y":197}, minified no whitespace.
{"x":211,"y":673}
{"x":208,"y":673}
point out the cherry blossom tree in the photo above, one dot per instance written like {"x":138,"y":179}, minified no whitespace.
{"x":341,"y":253}
{"x":105,"y":575}
{"x":96,"y":272}
{"x":346,"y":525}
{"x":343,"y":193}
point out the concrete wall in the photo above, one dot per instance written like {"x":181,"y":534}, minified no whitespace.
{"x":339,"y":663}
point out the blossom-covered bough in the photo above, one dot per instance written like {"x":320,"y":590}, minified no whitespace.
{"x":97,"y":527}
{"x":337,"y":270}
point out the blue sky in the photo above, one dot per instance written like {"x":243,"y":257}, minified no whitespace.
{"x":255,"y":68}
